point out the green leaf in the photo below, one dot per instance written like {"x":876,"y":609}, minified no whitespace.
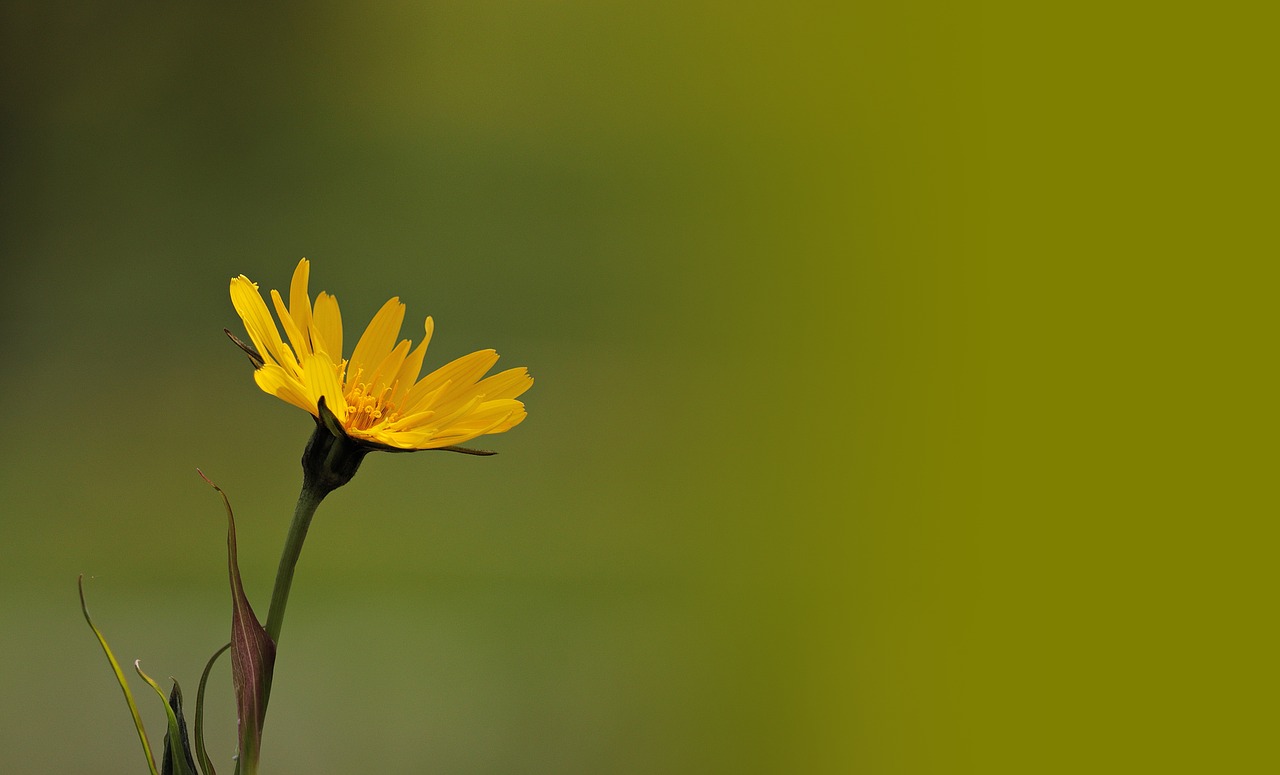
{"x":124,"y":685}
{"x":175,"y":704}
{"x":206,"y":766}
{"x":253,"y":655}
{"x":176,"y":756}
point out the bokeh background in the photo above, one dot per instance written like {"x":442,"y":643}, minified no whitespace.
{"x":904,"y":403}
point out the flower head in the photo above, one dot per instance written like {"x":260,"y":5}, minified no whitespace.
{"x":375,"y":396}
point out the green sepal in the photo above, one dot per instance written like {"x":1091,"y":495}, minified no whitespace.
{"x":253,"y":655}
{"x":331,"y":457}
{"x":248,"y":349}
{"x":177,"y":760}
{"x":206,"y":766}
{"x":124,"y":685}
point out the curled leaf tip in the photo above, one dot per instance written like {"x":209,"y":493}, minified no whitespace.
{"x":212,"y":484}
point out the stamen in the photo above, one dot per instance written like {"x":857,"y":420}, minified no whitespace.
{"x":365,"y":408}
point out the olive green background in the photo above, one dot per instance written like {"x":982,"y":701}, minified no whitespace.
{"x":905,"y":392}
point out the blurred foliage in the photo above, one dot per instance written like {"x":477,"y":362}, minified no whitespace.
{"x":893,"y":413}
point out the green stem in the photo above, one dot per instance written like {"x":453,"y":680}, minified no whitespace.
{"x":308,"y":502}
{"x":328,"y":462}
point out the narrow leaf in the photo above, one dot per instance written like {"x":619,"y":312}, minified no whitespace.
{"x":253,"y":655}
{"x":206,"y":766}
{"x":175,"y":763}
{"x":184,"y":743}
{"x":124,"y":685}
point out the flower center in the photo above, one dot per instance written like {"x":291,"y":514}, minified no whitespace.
{"x":367,"y":406}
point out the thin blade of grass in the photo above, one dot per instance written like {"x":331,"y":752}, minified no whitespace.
{"x":124,"y":685}
{"x":206,"y":766}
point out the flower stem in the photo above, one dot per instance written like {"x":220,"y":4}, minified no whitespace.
{"x":328,"y":462}
{"x":308,"y":502}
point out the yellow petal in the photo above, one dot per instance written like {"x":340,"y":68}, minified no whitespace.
{"x":413,"y":422}
{"x":277,"y":382}
{"x":322,"y":380}
{"x":257,"y":319}
{"x":461,"y":374}
{"x":479,"y":423}
{"x":429,"y":328}
{"x":414,"y":414}
{"x":514,"y":419}
{"x":384,"y":375}
{"x":326,"y":328}
{"x":300,"y":342}
{"x":412,"y":366}
{"x":377,"y":340}
{"x":299,"y":299}
{"x":511,"y":422}
{"x":505,"y":384}
{"x":404,"y":439}
{"x":393,"y":438}
{"x":483,"y":416}
{"x":459,"y":414}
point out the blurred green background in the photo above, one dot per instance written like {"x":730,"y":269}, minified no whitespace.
{"x":904,"y":403}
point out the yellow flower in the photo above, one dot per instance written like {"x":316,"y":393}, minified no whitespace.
{"x":375,"y":395}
